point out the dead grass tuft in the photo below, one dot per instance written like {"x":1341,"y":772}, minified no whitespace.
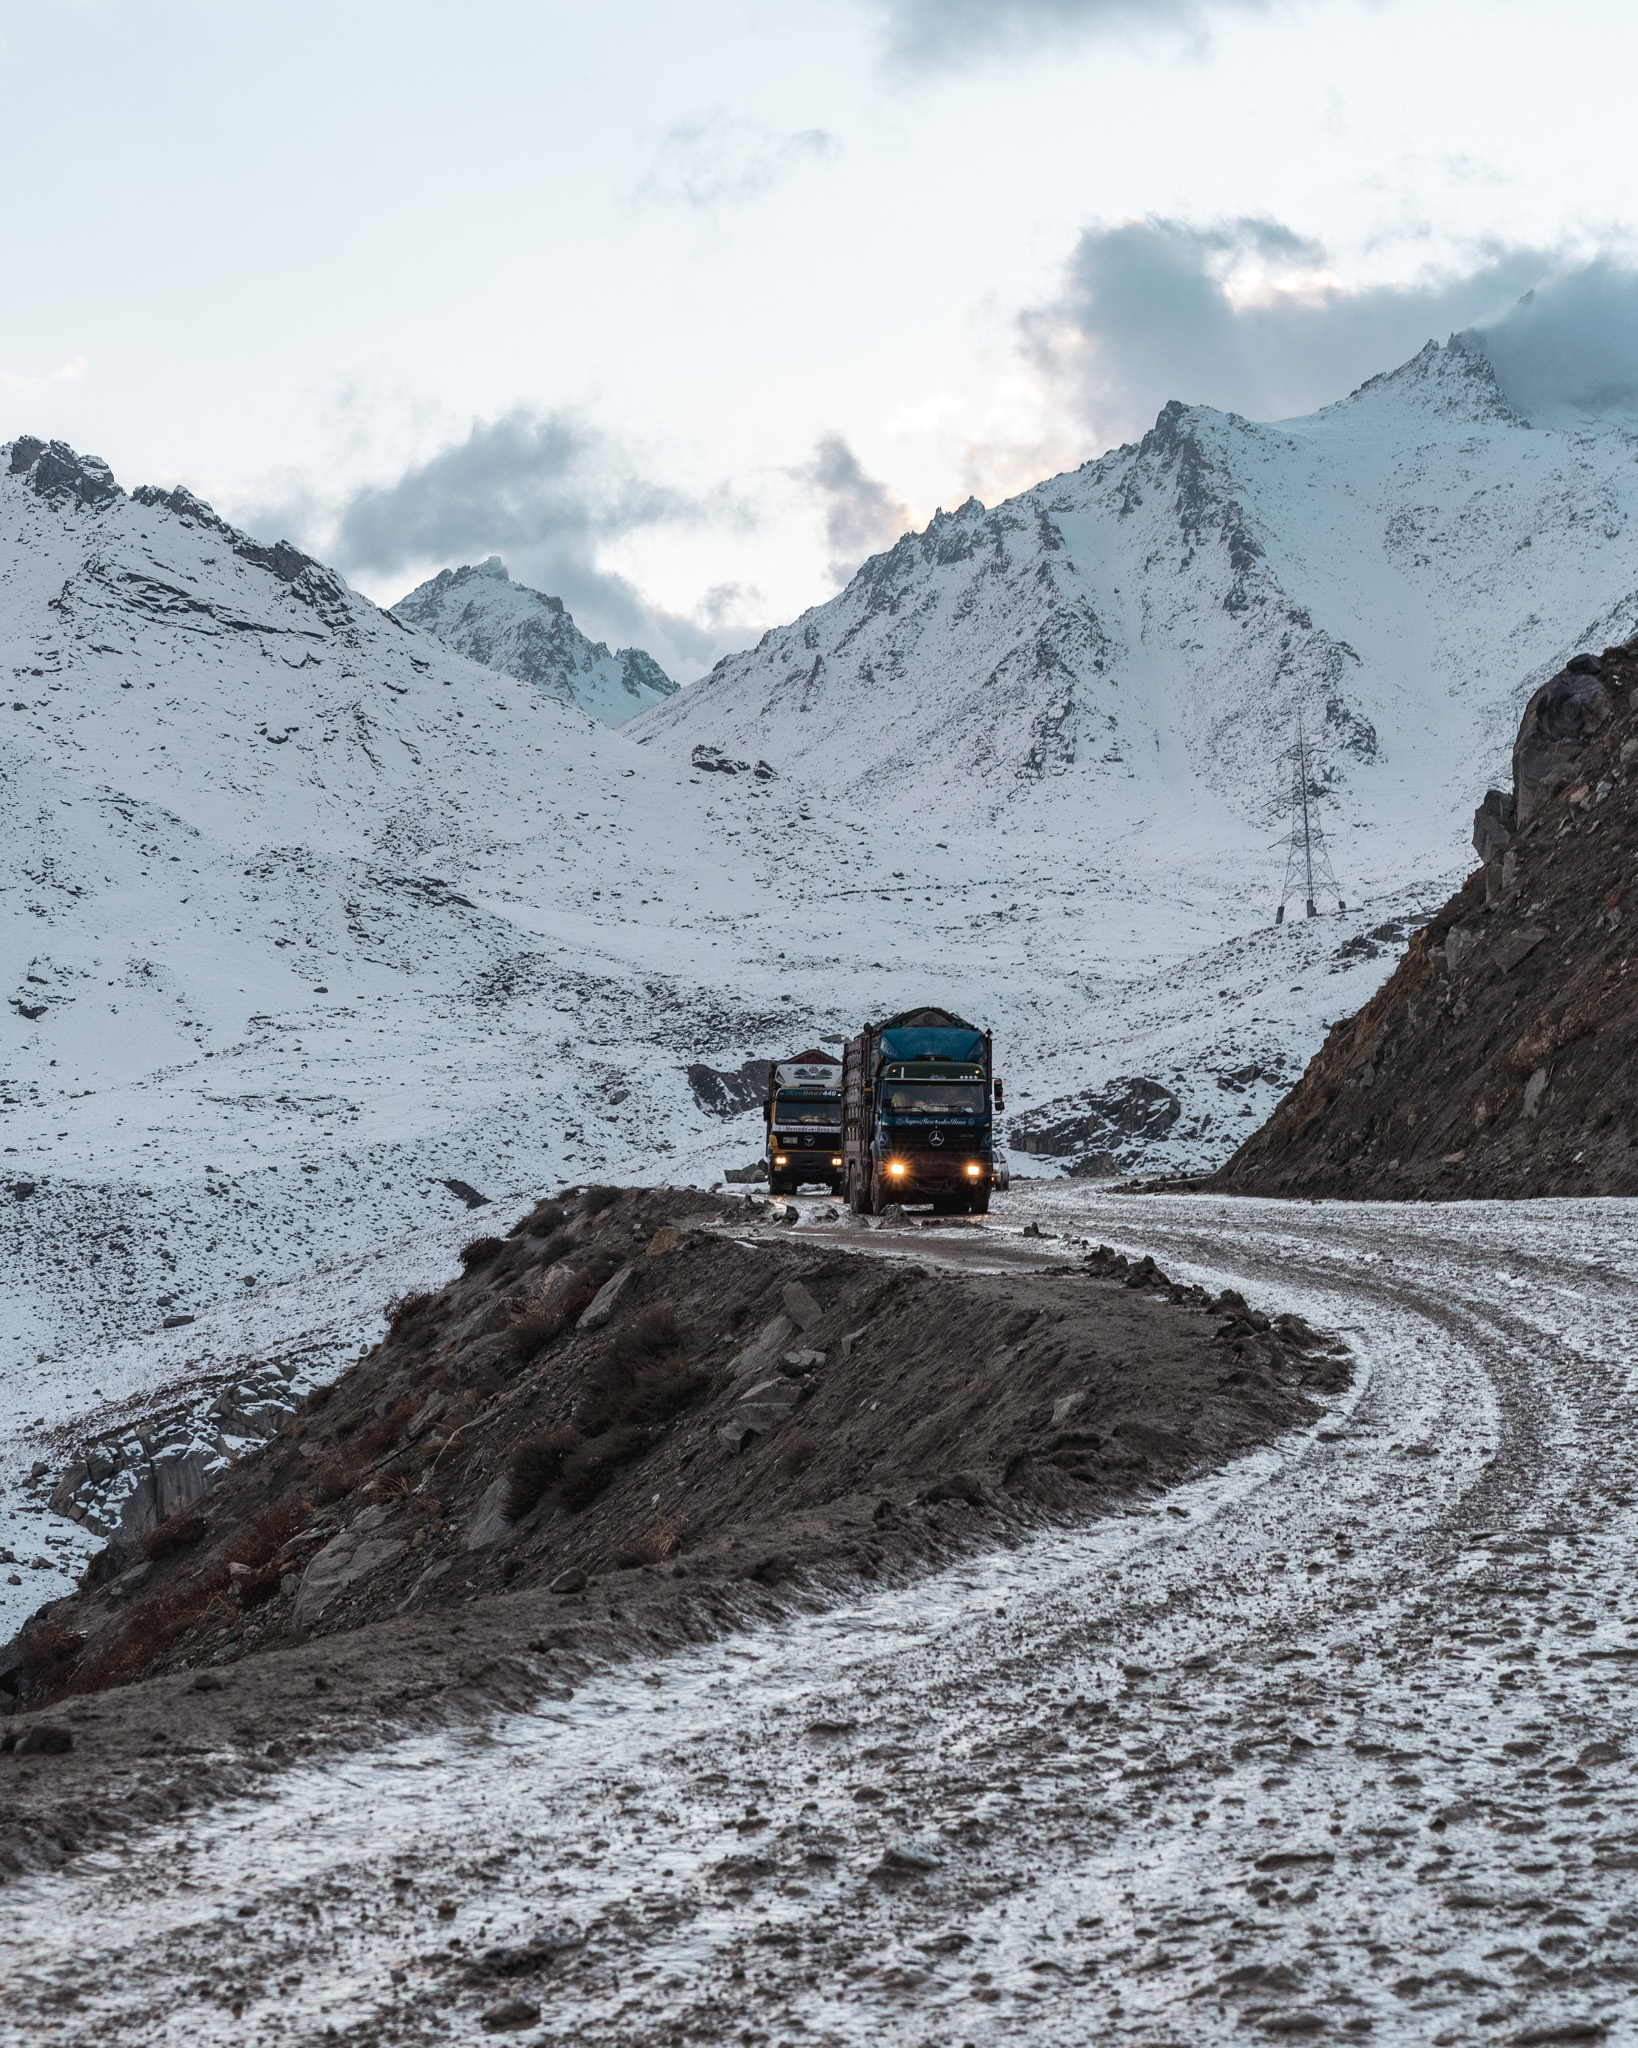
{"x":332,"y":1482}
{"x":389,"y":1430}
{"x":174,"y":1533}
{"x":538,"y":1323}
{"x":47,"y":1653}
{"x":594,"y":1461}
{"x":405,"y":1310}
{"x":480,"y":1251}
{"x":800,"y":1449}
{"x":595,"y":1200}
{"x":663,"y":1540}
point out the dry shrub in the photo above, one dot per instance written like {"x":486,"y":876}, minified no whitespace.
{"x":405,"y":1310}
{"x":267,"y":1535}
{"x":639,"y":1376}
{"x":595,"y":1200}
{"x":663,"y":1540}
{"x":152,"y":1629}
{"x":47,"y":1652}
{"x":546,"y":1219}
{"x":259,"y":1547}
{"x":480,"y":1251}
{"x":174,"y":1533}
{"x":639,"y":1379}
{"x":800,"y":1449}
{"x":534,"y":1468}
{"x":388,"y":1430}
{"x":331,"y":1483}
{"x":593,"y":1463}
{"x":538,"y":1323}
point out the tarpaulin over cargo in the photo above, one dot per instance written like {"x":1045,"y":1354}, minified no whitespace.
{"x":913,"y":1043}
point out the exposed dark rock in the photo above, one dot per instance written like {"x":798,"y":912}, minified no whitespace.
{"x":1101,"y":1130}
{"x":732,"y":1091}
{"x":56,"y":472}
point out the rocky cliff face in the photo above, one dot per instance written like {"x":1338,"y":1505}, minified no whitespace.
{"x":1498,"y":1060}
{"x":481,"y":613}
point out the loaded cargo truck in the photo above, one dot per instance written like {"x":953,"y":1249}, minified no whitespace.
{"x":917,"y":1093}
{"x":803,"y":1117}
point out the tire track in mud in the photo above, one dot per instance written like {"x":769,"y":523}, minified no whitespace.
{"x":1335,"y":1743}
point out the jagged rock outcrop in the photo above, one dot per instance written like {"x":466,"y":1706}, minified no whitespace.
{"x":480,"y":612}
{"x":1498,"y":1059}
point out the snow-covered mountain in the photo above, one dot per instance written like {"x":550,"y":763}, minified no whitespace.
{"x":480,"y":612}
{"x":306,"y":917}
{"x":1120,"y":655}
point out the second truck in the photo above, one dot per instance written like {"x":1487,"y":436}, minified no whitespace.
{"x":803,"y":1117}
{"x":917,"y":1095}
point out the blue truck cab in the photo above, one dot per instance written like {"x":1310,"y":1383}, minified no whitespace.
{"x":918,"y":1096}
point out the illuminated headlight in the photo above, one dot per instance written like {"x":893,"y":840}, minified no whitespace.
{"x":779,"y":1159}
{"x":895,"y":1167}
{"x":974,"y":1169}
{"x":836,"y":1162}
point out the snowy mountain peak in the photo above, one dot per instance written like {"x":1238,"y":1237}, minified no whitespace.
{"x":479,"y":611}
{"x":1457,"y":381}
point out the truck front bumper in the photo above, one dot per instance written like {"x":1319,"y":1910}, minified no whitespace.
{"x":936,"y":1172}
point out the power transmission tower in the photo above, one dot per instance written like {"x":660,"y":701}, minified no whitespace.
{"x":1306,"y":860}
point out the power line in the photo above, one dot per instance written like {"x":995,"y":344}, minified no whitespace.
{"x":1307,"y":859}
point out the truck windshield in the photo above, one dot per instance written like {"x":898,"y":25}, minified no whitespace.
{"x":805,"y":1109}
{"x":933,"y":1098}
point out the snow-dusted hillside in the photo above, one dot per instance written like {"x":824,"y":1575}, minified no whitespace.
{"x":483,"y":614}
{"x":303,"y":915}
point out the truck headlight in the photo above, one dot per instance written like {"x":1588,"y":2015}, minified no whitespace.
{"x":836,"y":1162}
{"x":779,"y":1159}
{"x":974,"y":1169}
{"x":896,"y":1167}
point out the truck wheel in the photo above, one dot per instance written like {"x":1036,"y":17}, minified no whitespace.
{"x":879,"y":1195}
{"x":979,"y":1204}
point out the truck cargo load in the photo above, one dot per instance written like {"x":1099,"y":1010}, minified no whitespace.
{"x":917,"y":1096}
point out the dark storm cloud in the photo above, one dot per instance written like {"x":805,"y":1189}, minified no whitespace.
{"x":1570,"y":345}
{"x":1242,"y":315}
{"x":936,"y":34}
{"x":546,"y":492}
{"x":862,"y":515}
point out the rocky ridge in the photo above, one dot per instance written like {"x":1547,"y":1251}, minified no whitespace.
{"x":1497,"y":1059}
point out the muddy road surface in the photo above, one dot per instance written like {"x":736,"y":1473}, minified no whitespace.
{"x":1339,"y":1742}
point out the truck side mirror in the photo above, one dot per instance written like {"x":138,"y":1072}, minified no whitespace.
{"x":1000,"y":1099}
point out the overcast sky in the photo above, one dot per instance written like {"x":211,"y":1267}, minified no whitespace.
{"x":684,"y":306}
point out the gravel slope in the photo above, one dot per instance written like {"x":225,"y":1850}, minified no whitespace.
{"x":1334,"y":1743}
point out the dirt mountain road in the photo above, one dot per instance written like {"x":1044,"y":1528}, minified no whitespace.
{"x":1338,"y":1742}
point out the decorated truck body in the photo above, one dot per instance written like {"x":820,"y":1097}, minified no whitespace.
{"x":917,"y":1093}
{"x":803,"y":1118}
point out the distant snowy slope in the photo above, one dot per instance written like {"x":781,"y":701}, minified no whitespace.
{"x":483,"y":614}
{"x":1141,"y":633}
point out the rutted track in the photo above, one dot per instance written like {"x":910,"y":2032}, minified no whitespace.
{"x":1334,"y":1742}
